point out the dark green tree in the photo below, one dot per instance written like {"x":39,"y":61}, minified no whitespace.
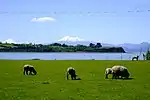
{"x":148,"y":55}
{"x":92,"y":45}
{"x":98,"y":45}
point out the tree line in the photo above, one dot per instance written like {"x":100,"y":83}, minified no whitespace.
{"x":57,"y":47}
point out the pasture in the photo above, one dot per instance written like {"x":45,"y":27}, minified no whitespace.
{"x":50,"y":82}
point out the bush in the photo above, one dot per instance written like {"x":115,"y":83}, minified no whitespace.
{"x":148,"y":55}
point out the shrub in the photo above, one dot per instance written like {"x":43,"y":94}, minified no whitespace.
{"x":148,"y":55}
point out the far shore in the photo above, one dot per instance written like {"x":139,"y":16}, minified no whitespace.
{"x":63,"y":52}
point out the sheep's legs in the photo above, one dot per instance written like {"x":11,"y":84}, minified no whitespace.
{"x":30,"y":72}
{"x":67,"y":75}
{"x":121,"y":77}
{"x":26,"y":72}
{"x":72,"y":77}
{"x":75,"y":76}
{"x":106,"y":76}
{"x":114,"y":76}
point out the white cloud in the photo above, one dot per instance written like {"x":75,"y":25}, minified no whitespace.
{"x":9,"y":41}
{"x":43,"y":19}
{"x":71,"y":39}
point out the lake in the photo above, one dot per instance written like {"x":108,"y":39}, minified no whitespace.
{"x":69,"y":56}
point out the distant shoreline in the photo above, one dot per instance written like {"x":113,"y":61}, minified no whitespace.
{"x":63,"y":52}
{"x":57,"y":47}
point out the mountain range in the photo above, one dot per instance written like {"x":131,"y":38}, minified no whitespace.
{"x":128,"y":47}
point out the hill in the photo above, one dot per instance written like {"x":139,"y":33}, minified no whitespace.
{"x":58,"y":47}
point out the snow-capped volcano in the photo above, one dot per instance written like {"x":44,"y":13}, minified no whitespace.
{"x":70,"y":39}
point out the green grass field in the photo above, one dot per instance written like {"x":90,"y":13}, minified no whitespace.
{"x":93,"y":86}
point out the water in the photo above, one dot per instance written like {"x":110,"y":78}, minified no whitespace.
{"x":70,"y":56}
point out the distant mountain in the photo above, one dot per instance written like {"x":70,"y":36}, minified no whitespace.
{"x":128,"y":47}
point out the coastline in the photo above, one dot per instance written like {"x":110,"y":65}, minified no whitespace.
{"x":62,"y":52}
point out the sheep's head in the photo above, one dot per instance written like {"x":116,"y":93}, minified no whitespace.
{"x":111,"y":71}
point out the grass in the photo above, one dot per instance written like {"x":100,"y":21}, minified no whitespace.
{"x":50,"y":82}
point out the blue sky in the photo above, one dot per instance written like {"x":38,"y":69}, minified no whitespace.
{"x":34,"y":21}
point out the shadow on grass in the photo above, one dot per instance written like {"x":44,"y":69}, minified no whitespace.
{"x":78,"y":79}
{"x":123,"y":79}
{"x":127,"y":78}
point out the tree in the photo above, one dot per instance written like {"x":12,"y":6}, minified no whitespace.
{"x":98,"y":45}
{"x":56,"y":44}
{"x":148,"y":55}
{"x":64,"y":45}
{"x":92,"y":45}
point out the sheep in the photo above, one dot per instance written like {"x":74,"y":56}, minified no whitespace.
{"x":72,"y":72}
{"x":29,"y":68}
{"x":120,"y":71}
{"x":107,"y":72}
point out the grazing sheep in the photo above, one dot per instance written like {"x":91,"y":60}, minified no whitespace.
{"x":120,"y":71}
{"x":107,"y":72}
{"x":72,"y":72}
{"x":29,"y":68}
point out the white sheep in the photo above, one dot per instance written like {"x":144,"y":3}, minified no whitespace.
{"x":119,"y":70}
{"x":29,"y":68}
{"x":72,"y":72}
